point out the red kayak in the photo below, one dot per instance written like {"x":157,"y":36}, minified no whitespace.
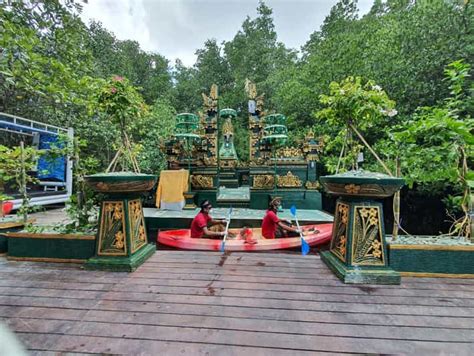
{"x":248,"y":240}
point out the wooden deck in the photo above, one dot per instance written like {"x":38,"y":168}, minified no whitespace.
{"x":189,"y":303}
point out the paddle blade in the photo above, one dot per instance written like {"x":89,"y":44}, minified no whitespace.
{"x":293,"y":210}
{"x":304,"y":247}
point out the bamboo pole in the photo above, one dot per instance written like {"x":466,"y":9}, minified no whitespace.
{"x":24,"y":203}
{"x":370,"y":149}
{"x":114,"y":160}
{"x":396,"y":204}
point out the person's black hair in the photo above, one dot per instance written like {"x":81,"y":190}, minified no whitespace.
{"x":204,"y":204}
{"x":272,"y":203}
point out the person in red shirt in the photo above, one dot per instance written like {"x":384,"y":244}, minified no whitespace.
{"x":273,"y":227}
{"x":202,"y":221}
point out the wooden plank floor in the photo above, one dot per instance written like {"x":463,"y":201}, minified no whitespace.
{"x":193,"y":303}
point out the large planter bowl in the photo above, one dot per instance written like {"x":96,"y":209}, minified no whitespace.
{"x":362,"y":183}
{"x":121,"y":182}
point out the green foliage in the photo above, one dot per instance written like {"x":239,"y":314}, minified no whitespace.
{"x":353,"y":103}
{"x":362,"y":104}
{"x":241,"y":139}
{"x":402,"y":47}
{"x":437,"y":138}
{"x":121,"y":102}
{"x":148,"y":71}
{"x":14,"y":164}
{"x":151,"y":131}
{"x":438,"y":145}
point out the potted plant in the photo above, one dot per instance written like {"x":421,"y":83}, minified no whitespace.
{"x":14,"y":164}
{"x":121,"y":243}
{"x":73,"y":241}
{"x":437,"y":155}
{"x":358,"y":251}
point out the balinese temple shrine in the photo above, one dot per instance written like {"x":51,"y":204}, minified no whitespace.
{"x":204,"y":145}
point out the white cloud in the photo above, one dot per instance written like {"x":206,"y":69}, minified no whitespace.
{"x":177,"y":28}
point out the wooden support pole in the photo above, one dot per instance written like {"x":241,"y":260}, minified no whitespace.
{"x":396,"y":204}
{"x":370,"y":149}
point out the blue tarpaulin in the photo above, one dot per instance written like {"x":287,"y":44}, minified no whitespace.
{"x":51,"y":169}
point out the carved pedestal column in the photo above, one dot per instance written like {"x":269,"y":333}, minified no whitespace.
{"x":121,"y":243}
{"x":358,"y":252}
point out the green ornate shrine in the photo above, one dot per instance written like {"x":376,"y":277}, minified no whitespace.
{"x":273,"y":168}
{"x":121,"y":243}
{"x":358,"y":250}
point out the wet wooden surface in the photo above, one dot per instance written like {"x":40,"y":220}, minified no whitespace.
{"x":193,"y":303}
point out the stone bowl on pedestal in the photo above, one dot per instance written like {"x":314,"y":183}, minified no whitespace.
{"x":121,"y":243}
{"x":362,"y":184}
{"x":358,"y":252}
{"x":121,"y":182}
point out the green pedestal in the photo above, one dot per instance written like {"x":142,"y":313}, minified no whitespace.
{"x":121,"y":243}
{"x":358,"y":252}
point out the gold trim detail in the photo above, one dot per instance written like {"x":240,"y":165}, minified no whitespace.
{"x":112,"y":233}
{"x":435,"y":275}
{"x":201,"y":182}
{"x":46,"y":259}
{"x":264,"y":181}
{"x":366,"y":190}
{"x":137,"y":225}
{"x":367,"y":238}
{"x":339,"y":234}
{"x":27,"y":235}
{"x":210,"y":102}
{"x":352,"y":188}
{"x":289,"y":152}
{"x":289,"y":181}
{"x":9,"y":225}
{"x":312,"y":185}
{"x":430,"y":247}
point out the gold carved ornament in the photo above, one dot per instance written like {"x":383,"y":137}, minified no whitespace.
{"x":201,"y":182}
{"x":227,"y":128}
{"x":289,"y":152}
{"x":250,"y":89}
{"x":367,"y":246}
{"x":137,"y":224}
{"x":228,"y":163}
{"x":210,"y":102}
{"x":263,"y":181}
{"x":312,"y":185}
{"x":339,"y":239}
{"x":112,"y":230}
{"x":352,"y":188}
{"x":312,"y":149}
{"x":289,"y":181}
{"x":210,"y":161}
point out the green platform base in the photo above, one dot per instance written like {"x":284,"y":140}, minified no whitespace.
{"x":3,"y":243}
{"x":428,"y":259}
{"x":51,"y":247}
{"x":121,"y":264}
{"x":361,"y":274}
{"x":7,"y":225}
